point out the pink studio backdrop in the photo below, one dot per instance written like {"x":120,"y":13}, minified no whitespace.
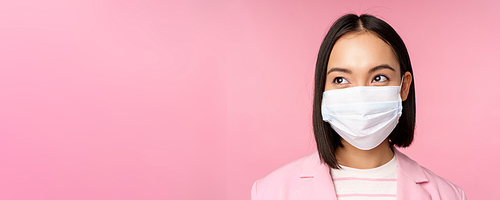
{"x":197,"y":99}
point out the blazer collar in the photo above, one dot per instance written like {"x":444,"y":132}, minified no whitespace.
{"x":312,"y":165}
{"x":410,"y":168}
{"x":316,"y":181}
{"x":410,"y":175}
{"x":406,"y":166}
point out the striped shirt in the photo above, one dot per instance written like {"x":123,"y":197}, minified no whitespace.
{"x":366,"y":184}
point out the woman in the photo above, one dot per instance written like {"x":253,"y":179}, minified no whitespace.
{"x":364,"y":105}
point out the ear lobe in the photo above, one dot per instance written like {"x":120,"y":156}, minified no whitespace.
{"x":405,"y":88}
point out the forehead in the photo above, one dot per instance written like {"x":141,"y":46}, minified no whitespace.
{"x":361,"y":51}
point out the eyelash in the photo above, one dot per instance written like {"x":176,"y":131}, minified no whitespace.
{"x":335,"y":80}
{"x":380,"y":75}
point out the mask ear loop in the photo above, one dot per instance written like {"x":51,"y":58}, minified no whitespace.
{"x":402,"y":80}
{"x":401,"y":85}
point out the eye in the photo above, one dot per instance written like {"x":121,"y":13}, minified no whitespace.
{"x":380,"y":78}
{"x":340,"y":80}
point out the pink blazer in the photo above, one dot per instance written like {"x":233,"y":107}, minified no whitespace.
{"x":307,"y":178}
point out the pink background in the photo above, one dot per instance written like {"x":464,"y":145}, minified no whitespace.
{"x":198,"y":99}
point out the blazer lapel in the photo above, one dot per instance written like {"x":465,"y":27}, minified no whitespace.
{"x":410,"y":176}
{"x":315,"y":180}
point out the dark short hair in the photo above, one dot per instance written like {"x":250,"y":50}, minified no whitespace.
{"x":327,"y":140}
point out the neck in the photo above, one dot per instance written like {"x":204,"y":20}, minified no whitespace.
{"x":353,"y":157}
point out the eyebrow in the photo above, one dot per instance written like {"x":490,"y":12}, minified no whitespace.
{"x":384,"y":66}
{"x":336,"y":69}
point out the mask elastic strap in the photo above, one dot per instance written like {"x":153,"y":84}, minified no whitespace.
{"x":402,"y":79}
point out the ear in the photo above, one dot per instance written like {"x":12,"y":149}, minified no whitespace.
{"x":405,"y":88}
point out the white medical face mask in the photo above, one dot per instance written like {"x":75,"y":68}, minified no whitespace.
{"x":365,"y":115}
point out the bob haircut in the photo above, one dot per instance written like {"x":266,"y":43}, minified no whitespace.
{"x":327,"y":140}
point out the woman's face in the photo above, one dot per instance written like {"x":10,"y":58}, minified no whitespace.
{"x":363,"y":59}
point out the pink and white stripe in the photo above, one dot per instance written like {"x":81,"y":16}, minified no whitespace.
{"x":366,"y":184}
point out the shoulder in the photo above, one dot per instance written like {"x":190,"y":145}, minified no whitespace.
{"x":283,"y":179}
